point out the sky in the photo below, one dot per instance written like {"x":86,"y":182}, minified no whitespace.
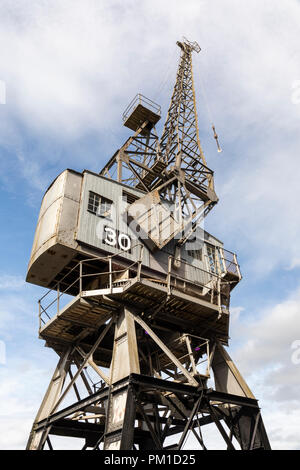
{"x":67,"y":72}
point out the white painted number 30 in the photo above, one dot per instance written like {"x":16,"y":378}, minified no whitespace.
{"x":111,"y":236}
{"x":113,"y":239}
{"x":124,"y":242}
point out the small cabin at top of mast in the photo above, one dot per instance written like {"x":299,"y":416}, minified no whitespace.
{"x":140,"y":110}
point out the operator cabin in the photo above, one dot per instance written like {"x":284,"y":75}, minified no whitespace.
{"x":82,"y":216}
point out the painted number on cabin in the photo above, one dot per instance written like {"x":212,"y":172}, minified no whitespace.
{"x":117,"y":239}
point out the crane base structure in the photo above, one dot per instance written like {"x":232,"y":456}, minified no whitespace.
{"x":153,"y":397}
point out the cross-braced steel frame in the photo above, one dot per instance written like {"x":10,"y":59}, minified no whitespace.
{"x":180,"y":141}
{"x":174,"y":166}
{"x":153,"y":396}
{"x":137,"y":163}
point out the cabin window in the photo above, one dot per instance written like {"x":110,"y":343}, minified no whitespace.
{"x":215,"y":261}
{"x":99,"y":205}
{"x":196,"y":254}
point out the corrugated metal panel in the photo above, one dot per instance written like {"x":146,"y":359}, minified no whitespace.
{"x":69,"y":210}
{"x":47,"y":226}
{"x":54,"y":240}
{"x":91,"y":227}
{"x":65,"y":219}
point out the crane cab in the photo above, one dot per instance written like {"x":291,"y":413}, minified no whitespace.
{"x":82,"y":216}
{"x":86,"y":247}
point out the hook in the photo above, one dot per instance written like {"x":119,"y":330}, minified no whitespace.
{"x":216,"y":137}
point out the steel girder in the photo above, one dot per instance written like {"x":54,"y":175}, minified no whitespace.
{"x":187,"y":409}
{"x":134,"y":410}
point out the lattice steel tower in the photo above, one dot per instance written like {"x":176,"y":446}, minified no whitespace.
{"x":138,"y":302}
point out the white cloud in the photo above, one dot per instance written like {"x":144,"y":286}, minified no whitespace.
{"x":262,"y":350}
{"x":269,"y":335}
{"x":8,"y":282}
{"x":22,"y":388}
{"x":235,"y":313}
{"x":283,"y":427}
{"x":71,"y":67}
{"x":295,"y":263}
{"x":75,"y":63}
{"x":2,"y":92}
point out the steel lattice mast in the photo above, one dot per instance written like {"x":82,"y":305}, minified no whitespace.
{"x":173,"y":168}
{"x":192,"y":192}
{"x":180,"y":143}
{"x":180,"y":185}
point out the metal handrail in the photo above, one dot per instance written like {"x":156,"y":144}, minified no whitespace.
{"x":211,"y":282}
{"x":68,"y":273}
{"x":79,"y":279}
{"x":228,"y":263}
{"x":140,"y":99}
{"x":102,"y":258}
{"x":214,"y":289}
{"x":182,"y":261}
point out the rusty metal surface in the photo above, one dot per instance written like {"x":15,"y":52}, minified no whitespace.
{"x":54,"y":241}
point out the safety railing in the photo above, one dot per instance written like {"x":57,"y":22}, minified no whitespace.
{"x":54,"y":299}
{"x":222,"y":262}
{"x":178,"y":275}
{"x":143,"y":100}
{"x":194,"y":280}
{"x":231,"y":263}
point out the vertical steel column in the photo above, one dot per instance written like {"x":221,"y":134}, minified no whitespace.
{"x":119,"y":431}
{"x":227,"y":377}
{"x":37,"y":438}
